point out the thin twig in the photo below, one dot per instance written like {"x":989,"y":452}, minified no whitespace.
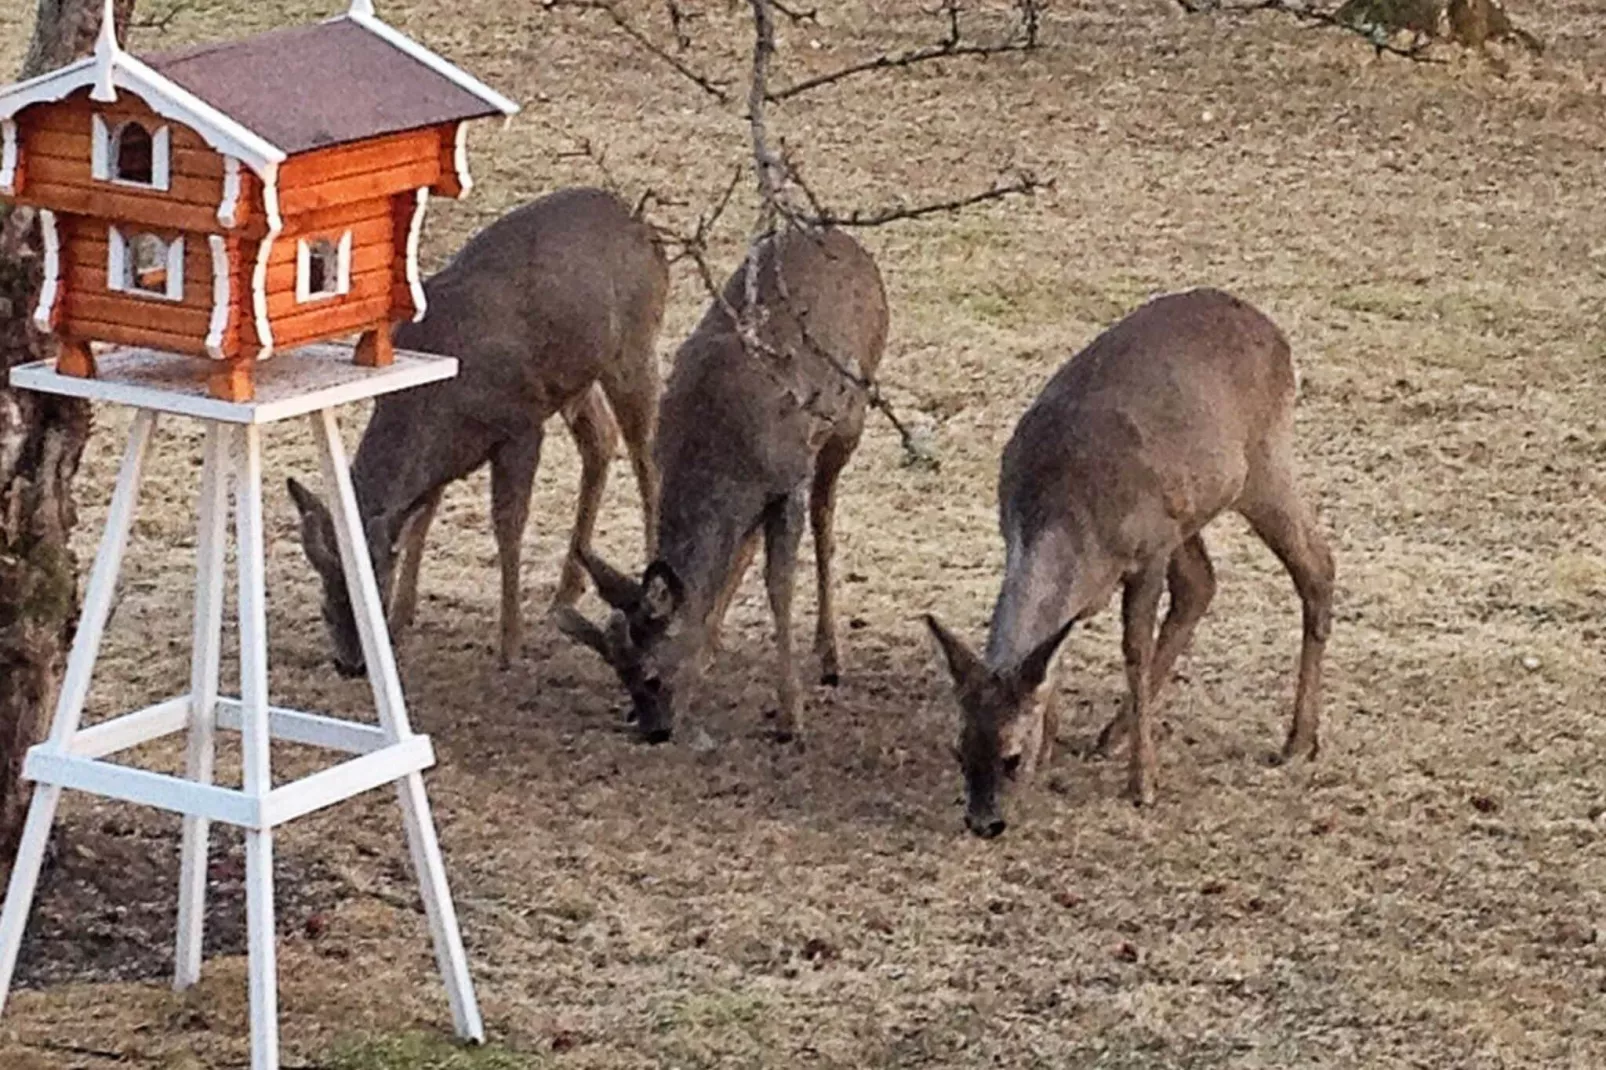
{"x":714,"y":87}
{"x":951,"y":46}
{"x":1416,"y":52}
{"x":797,"y":15}
{"x":160,"y":22}
{"x":679,"y":22}
{"x":1023,"y":184}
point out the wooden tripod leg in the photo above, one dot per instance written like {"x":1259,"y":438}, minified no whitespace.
{"x":375,"y":348}
{"x":423,"y":844}
{"x":207,"y":644}
{"x":255,"y":741}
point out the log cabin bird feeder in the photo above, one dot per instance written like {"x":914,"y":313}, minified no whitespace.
{"x":233,"y":200}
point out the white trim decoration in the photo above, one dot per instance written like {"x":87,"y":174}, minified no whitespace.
{"x":161,"y":158}
{"x":415,"y":231}
{"x":439,"y":64}
{"x":221,"y":296}
{"x":341,"y":283}
{"x":228,"y":209}
{"x":100,"y":149}
{"x":343,"y":263}
{"x":8,"y":157}
{"x":465,"y":181}
{"x":116,"y":260}
{"x":166,"y":98}
{"x":118,"y":268}
{"x":106,"y":53}
{"x":105,"y":152}
{"x":259,"y":274}
{"x":48,"y":292}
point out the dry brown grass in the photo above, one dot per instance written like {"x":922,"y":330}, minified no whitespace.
{"x":1429,"y":894}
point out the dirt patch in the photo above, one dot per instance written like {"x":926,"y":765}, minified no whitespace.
{"x":107,"y":907}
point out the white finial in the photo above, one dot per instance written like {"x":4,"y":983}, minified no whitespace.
{"x":106,"y":53}
{"x":362,"y":7}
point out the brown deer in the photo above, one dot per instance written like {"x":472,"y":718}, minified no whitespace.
{"x":750,"y":433}
{"x":554,"y":307}
{"x":1181,"y":411}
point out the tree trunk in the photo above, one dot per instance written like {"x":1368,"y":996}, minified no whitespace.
{"x":41,"y":440}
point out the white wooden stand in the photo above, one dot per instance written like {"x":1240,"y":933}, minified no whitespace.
{"x":308,"y":382}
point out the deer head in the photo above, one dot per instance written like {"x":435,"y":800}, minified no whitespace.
{"x":322,"y":548}
{"x":649,"y":639}
{"x":1002,"y":723}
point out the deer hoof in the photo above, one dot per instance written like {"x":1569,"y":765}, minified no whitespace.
{"x":1295,"y":748}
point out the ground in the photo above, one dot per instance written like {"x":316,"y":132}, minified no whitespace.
{"x":1427,"y":894}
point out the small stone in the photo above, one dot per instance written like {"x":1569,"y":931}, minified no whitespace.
{"x":1127,"y":951}
{"x":702,"y":742}
{"x":1531,"y":662}
{"x":1485,"y":804}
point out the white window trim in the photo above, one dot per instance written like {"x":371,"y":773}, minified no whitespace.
{"x":304,"y":292}
{"x":102,"y":165}
{"x":117,"y":268}
{"x":9,"y":155}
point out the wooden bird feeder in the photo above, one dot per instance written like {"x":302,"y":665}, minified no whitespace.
{"x":233,"y":200}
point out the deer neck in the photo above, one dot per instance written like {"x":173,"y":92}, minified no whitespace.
{"x":1048,"y":579}
{"x":699,"y":535}
{"x":390,"y":475}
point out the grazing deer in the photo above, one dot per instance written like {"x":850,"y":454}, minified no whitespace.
{"x":1181,"y":411}
{"x":749,"y":435}
{"x":552,"y":308}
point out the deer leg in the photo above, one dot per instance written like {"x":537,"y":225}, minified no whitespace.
{"x":783,"y":531}
{"x":1191,"y":580}
{"x":822,"y":512}
{"x":404,"y":599}
{"x":1140,"y":605}
{"x":512,"y":479}
{"x":1286,"y":524}
{"x":635,"y":404}
{"x":727,"y":594}
{"x":596,"y":436}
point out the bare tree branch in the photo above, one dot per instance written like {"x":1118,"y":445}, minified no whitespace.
{"x":714,"y":87}
{"x":952,"y":45}
{"x":1024,"y":183}
{"x":161,"y":22}
{"x":1376,"y":36}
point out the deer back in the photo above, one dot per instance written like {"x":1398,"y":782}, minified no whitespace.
{"x":1154,"y":426}
{"x":758,"y":418}
{"x":535,"y":307}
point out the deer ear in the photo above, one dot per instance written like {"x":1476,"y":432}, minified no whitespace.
{"x":616,"y":589}
{"x":662,"y":592}
{"x":317,"y":529}
{"x":574,"y":625}
{"x":1032,"y":670}
{"x":965,"y":667}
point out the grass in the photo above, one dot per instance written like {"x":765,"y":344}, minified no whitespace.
{"x":1424,"y":895}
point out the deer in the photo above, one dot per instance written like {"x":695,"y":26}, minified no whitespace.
{"x":1178,"y":413}
{"x":552,"y":308}
{"x":753,"y":429}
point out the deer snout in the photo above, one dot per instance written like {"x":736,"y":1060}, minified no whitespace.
{"x":987,"y":826}
{"x":349,"y":670}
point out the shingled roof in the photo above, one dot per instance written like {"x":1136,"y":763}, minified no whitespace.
{"x":312,"y":86}
{"x":276,"y":94}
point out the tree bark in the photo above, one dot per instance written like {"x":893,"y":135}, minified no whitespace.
{"x":41,"y":440}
